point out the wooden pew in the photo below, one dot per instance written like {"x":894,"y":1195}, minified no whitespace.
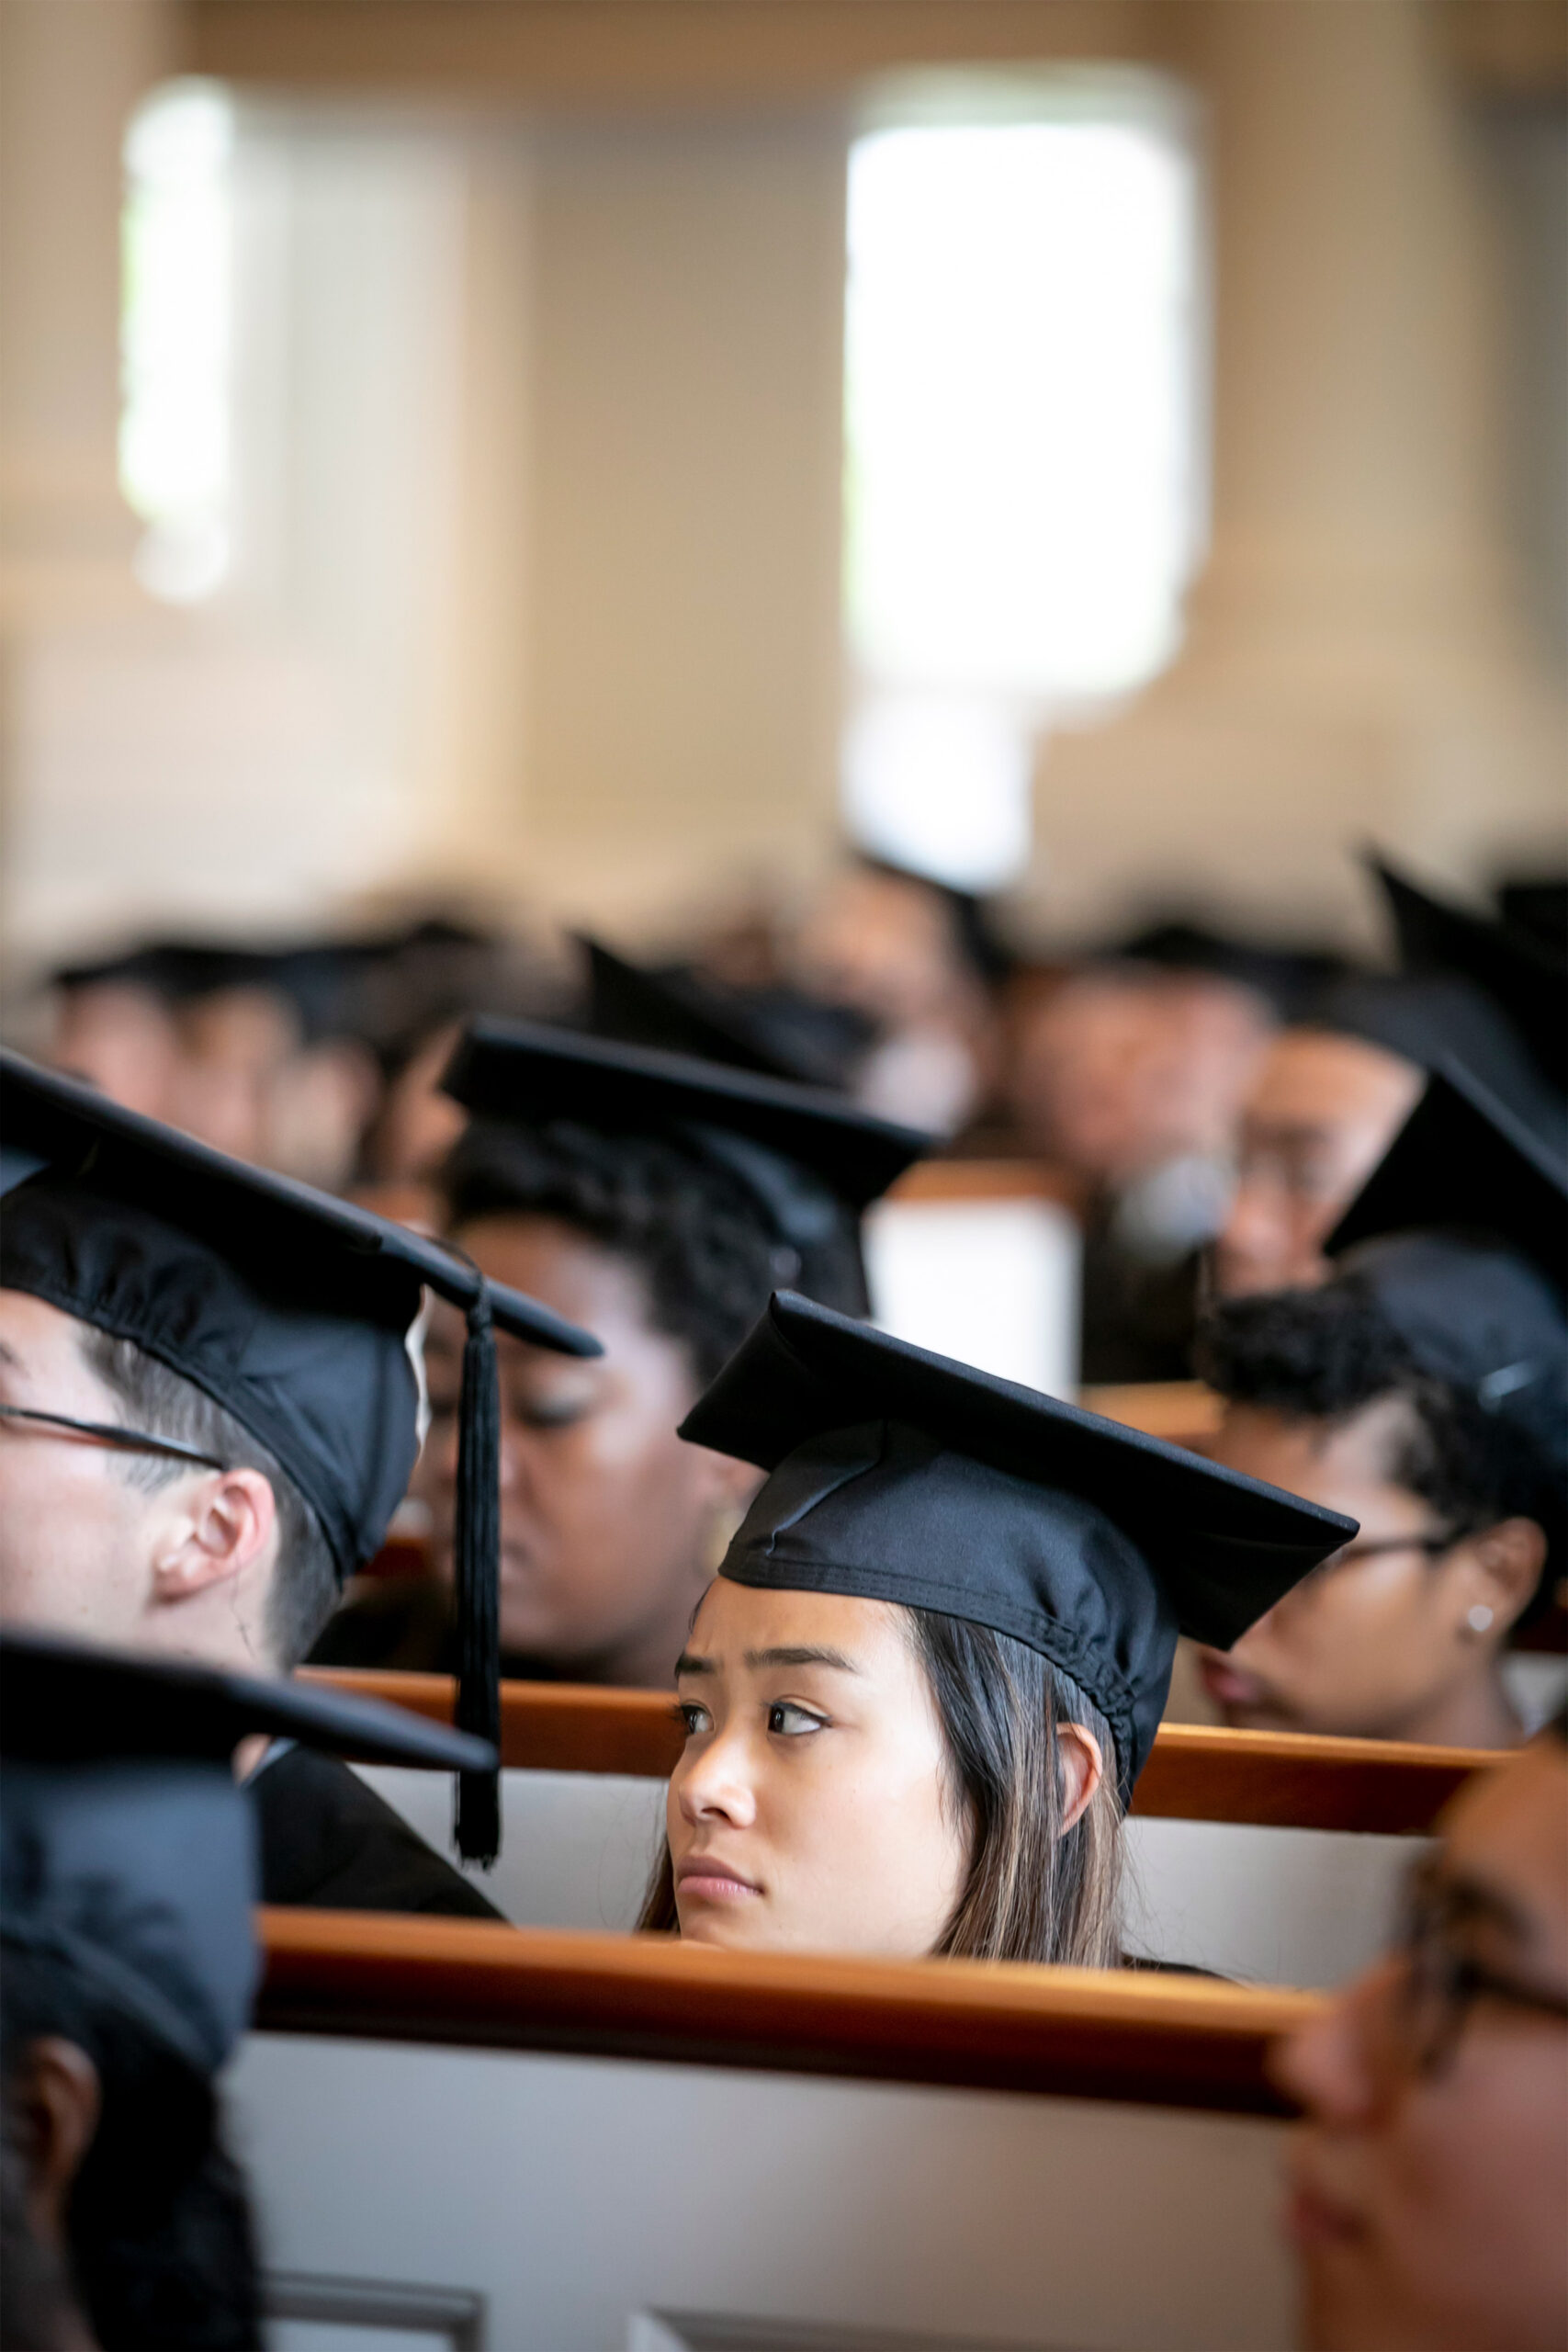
{"x":1183,"y":1412}
{"x":1264,"y":1856}
{"x":569,"y":2140}
{"x":1195,"y":1773}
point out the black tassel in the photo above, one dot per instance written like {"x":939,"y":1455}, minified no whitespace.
{"x":477,"y":1549}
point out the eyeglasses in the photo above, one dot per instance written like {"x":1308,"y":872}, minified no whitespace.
{"x":1434,"y":1546}
{"x":115,"y":1433}
{"x":1441,"y":1982}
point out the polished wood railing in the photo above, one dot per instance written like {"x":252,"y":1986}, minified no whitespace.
{"x":1196,"y":1773}
{"x":1079,"y":2033}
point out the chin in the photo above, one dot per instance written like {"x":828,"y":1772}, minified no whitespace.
{"x":708,"y":1925}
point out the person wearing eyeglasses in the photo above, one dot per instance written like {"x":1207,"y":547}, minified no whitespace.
{"x":209,"y":1412}
{"x":1423,"y":1390}
{"x":1429,"y":2185}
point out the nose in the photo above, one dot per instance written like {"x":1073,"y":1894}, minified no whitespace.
{"x":713,"y":1783}
{"x":1335,"y":2065}
{"x":1256,"y":1236}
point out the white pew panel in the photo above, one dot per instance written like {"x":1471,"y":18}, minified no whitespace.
{"x":575,"y":2193}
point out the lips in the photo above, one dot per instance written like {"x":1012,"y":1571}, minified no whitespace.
{"x":703,"y":1879}
{"x":1313,"y":2221}
{"x":1227,"y":1685}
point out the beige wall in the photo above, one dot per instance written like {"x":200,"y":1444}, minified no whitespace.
{"x":549,"y":602}
{"x":686,"y":462}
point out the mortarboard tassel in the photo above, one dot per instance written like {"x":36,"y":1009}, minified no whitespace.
{"x":477,"y":1549}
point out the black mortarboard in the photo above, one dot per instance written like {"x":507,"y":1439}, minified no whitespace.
{"x":899,"y":1475}
{"x":811,"y":1159}
{"x":1461,"y":1232}
{"x":1435,"y":1018}
{"x":1537,"y":905}
{"x":287,"y":1307}
{"x":1516,"y":969}
{"x":775,"y":1033}
{"x":127,"y":1846}
{"x":1286,"y":977}
{"x":135,"y":967}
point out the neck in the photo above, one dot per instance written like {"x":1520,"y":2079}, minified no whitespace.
{"x":1476,"y":1713}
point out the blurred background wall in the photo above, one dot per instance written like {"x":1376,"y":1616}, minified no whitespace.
{"x":527,"y":577}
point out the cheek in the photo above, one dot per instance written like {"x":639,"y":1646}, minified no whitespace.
{"x":1472,"y":2191}
{"x":65,"y":1526}
{"x":1364,"y":1627}
{"x":872,"y":1848}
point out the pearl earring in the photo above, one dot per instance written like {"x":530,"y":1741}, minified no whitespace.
{"x":1478,"y":1618}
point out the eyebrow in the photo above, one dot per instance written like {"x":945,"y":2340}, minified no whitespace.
{"x":689,"y":1662}
{"x":1472,"y":1902}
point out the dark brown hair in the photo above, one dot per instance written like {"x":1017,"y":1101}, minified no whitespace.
{"x":1033,"y":1890}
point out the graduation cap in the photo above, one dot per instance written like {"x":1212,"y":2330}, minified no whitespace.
{"x":811,"y":1159}
{"x":1461,"y":1233}
{"x":1287,"y":979}
{"x":774,"y":1033}
{"x":1514,"y":969}
{"x":895,"y":1475}
{"x":290,"y":1309}
{"x":127,"y":1846}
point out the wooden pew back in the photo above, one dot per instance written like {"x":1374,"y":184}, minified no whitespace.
{"x":980,"y":1260}
{"x":572,"y":2139}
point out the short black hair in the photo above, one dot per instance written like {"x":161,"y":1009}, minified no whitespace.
{"x":708,"y":1251}
{"x":1324,"y":1354}
{"x":160,"y":2247}
{"x":164,"y":1404}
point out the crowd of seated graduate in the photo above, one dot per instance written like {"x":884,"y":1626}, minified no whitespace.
{"x":851,"y":1616}
{"x":609,"y":1525}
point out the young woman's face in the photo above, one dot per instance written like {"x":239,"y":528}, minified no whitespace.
{"x":811,"y":1810}
{"x":1369,"y":1645}
{"x":608,"y":1523}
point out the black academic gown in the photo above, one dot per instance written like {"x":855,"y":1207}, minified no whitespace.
{"x":330,"y":1843}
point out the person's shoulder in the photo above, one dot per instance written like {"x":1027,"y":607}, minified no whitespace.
{"x":329,"y":1842}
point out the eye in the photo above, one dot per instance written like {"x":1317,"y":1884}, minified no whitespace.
{"x":696,"y":1718}
{"x":550,"y":1412}
{"x":791,"y":1721}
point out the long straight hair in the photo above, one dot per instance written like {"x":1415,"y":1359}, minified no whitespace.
{"x":1033,"y":1890}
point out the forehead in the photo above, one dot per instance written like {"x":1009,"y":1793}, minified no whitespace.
{"x":733,"y":1618}
{"x":1509,"y":1830}
{"x":34,"y":1333}
{"x":1302,"y":1451}
{"x":560,"y":1265}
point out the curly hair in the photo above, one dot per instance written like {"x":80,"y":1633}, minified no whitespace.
{"x":1323,"y":1354}
{"x":708,"y":1251}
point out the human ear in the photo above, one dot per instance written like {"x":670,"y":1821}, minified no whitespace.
{"x":1082,"y":1767}
{"x":225,"y":1526}
{"x":54,"y":2099}
{"x":1502,"y":1569}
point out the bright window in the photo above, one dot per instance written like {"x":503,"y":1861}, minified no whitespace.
{"x":175,"y":337}
{"x":1024,"y":484}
